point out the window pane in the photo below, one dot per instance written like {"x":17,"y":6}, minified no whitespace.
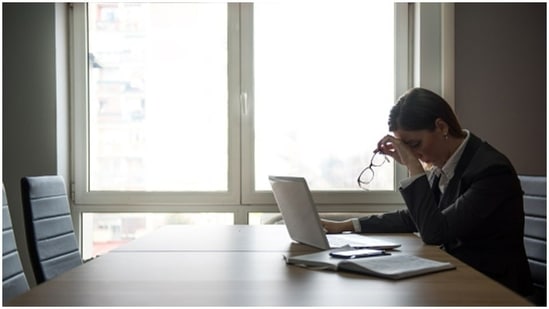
{"x":103,"y":232}
{"x":323,"y":77}
{"x":158,"y":96}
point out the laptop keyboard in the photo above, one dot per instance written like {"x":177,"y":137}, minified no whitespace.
{"x":337,"y":241}
{"x":357,"y":241}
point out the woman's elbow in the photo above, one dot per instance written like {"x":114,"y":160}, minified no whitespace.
{"x":432,"y":238}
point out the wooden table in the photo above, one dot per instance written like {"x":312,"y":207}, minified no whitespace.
{"x":244,"y":266}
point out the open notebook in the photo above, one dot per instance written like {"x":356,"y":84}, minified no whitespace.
{"x":300,"y":215}
{"x":397,"y":266}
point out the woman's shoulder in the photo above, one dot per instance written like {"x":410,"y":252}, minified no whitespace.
{"x":485,"y":157}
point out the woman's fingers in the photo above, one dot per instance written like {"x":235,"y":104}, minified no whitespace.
{"x":386,"y":143}
{"x":393,"y":147}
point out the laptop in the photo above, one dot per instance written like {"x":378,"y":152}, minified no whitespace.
{"x":300,"y":215}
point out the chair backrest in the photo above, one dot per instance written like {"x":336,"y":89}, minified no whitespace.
{"x":535,"y":232}
{"x":14,"y":281}
{"x":53,"y":248}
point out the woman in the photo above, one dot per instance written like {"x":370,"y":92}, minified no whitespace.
{"x":479,"y":218}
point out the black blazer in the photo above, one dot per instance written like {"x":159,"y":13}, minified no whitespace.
{"x":479,"y":220}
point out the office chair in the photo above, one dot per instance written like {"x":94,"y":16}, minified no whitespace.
{"x":53,"y":248}
{"x":14,"y":281}
{"x":535,"y":234}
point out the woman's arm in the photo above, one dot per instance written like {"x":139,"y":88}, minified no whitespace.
{"x":334,"y":227}
{"x":485,"y":197}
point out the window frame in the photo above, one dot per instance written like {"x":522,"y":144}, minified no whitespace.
{"x":241,"y":197}
{"x":80,"y":66}
{"x":249,"y":194}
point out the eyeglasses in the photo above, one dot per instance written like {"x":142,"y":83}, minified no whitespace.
{"x":367,"y":175}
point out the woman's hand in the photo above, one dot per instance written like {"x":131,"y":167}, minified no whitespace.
{"x":334,"y":227}
{"x":400,"y":152}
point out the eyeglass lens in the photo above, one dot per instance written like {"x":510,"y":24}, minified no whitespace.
{"x":367,"y":174}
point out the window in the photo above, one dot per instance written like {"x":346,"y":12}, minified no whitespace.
{"x":190,"y":106}
{"x":106,"y":231}
{"x":158,"y":97}
{"x":323,"y":88}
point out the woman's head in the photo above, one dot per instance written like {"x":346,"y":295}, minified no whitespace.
{"x":426,"y":123}
{"x":418,"y":109}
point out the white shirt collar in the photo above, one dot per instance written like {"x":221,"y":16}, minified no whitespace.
{"x":447,"y":171}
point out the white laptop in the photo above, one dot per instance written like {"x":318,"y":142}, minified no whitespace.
{"x":298,"y":210}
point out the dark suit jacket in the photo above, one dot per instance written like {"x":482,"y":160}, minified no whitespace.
{"x":479,"y":220}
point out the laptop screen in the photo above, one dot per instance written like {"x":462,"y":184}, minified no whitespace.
{"x":298,"y":210}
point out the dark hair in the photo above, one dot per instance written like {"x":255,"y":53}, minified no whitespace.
{"x":418,"y":109}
